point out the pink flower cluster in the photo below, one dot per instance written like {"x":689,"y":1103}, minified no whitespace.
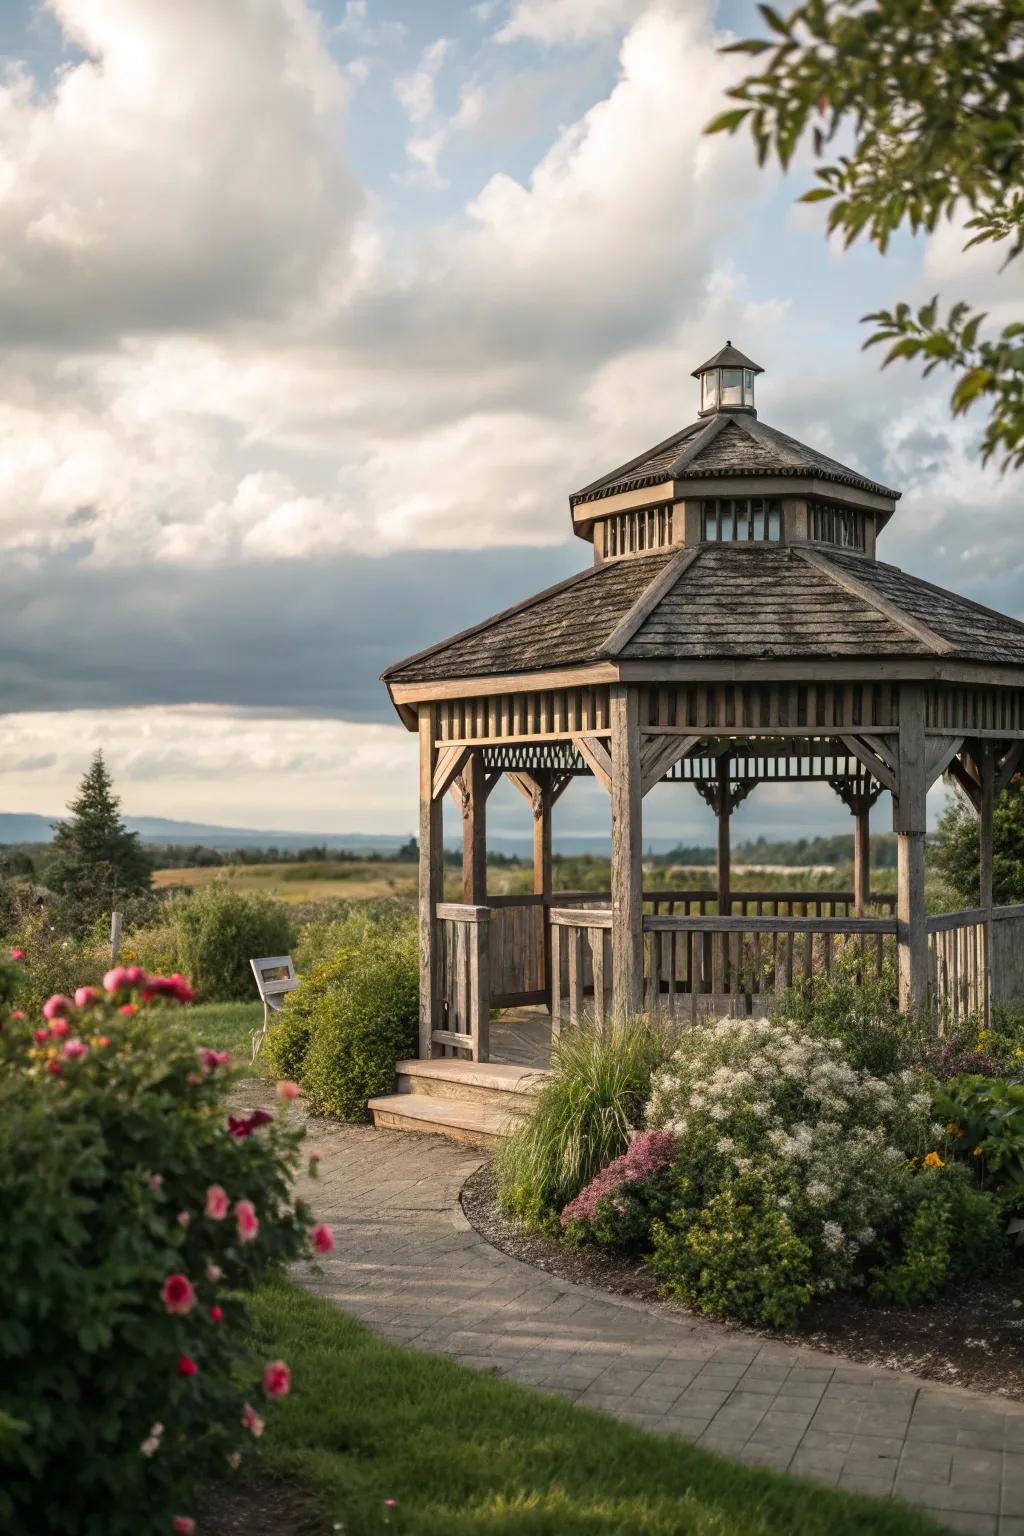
{"x":648,"y":1153}
{"x":132,"y":978}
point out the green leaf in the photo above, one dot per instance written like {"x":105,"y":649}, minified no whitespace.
{"x":728,"y":122}
{"x":774,"y":20}
{"x":816,"y":195}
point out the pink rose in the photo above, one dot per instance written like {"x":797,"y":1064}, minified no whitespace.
{"x":134,"y":975}
{"x":57,"y":1006}
{"x":175,"y":987}
{"x":183,"y":1219}
{"x":246,"y":1220}
{"x":59,"y":1027}
{"x":216,"y":1314}
{"x":116,"y":980}
{"x":54,"y":1067}
{"x":155,"y":1181}
{"x":18,"y":1015}
{"x":242,"y":1127}
{"x":277,"y":1379}
{"x":211,"y":1060}
{"x":183,"y":1525}
{"x":128,"y":1009}
{"x":178,"y":1295}
{"x":74,"y":1049}
{"x":17,"y":954}
{"x":40,"y":1035}
{"x":252,"y":1421}
{"x":288,"y":1090}
{"x":217,"y":1202}
{"x":214,"y":1274}
{"x":322,"y":1237}
{"x":85,"y":997}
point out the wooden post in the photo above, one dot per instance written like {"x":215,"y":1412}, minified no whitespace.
{"x":909,"y":824}
{"x":115,"y":936}
{"x":988,"y":804}
{"x":474,"y":833}
{"x":431,"y":889}
{"x":862,"y":858}
{"x":627,"y":869}
{"x":723,"y":809}
{"x":480,"y":985}
{"x":542,"y":869}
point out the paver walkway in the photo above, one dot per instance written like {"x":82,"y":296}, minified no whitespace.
{"x":410,"y":1266}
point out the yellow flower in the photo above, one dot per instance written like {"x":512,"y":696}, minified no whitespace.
{"x":978,"y":1152}
{"x":952,"y":1129}
{"x":933,"y":1160}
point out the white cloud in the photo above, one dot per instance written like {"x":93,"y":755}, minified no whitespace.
{"x":237,"y":768}
{"x":187,"y":170}
{"x":566,"y":21}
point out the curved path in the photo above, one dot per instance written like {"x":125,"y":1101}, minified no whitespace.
{"x":408,"y":1264}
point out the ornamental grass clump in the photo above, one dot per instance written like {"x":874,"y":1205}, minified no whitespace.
{"x":791,"y":1166}
{"x":135,"y":1216}
{"x":590,"y":1106}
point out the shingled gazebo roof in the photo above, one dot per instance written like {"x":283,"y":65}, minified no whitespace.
{"x":725,"y":445}
{"x":725,"y":602}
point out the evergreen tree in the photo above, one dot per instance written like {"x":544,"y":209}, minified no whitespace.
{"x":94,"y":862}
{"x":956,"y":852}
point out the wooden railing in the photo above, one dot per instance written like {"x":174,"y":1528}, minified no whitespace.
{"x":703,"y":965}
{"x":815,"y":903}
{"x":465,"y":989}
{"x":975,"y":958}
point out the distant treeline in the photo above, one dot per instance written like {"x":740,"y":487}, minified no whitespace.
{"x":797,"y":853}
{"x":24,"y":860}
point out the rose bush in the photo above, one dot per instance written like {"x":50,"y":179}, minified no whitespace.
{"x":133,"y":1220}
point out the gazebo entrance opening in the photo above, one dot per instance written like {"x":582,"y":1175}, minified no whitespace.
{"x":735,"y":628}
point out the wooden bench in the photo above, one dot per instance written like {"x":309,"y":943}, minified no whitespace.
{"x":275,"y":978}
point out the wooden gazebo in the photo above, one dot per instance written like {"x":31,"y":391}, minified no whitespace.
{"x":735,"y":628}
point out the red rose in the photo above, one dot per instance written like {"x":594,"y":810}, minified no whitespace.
{"x":241,"y":1128}
{"x":322,"y":1237}
{"x":187,"y":1366}
{"x":178,"y":1294}
{"x":277,"y":1379}
{"x":217,"y":1314}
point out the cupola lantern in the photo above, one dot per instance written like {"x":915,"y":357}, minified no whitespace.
{"x":727,"y":382}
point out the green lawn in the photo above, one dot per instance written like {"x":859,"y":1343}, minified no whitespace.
{"x":466,"y":1454}
{"x":223,"y":1027}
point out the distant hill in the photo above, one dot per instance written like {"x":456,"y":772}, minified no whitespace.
{"x":27,"y":828}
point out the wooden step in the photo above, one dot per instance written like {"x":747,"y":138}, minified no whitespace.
{"x":459,"y":1119}
{"x":503,"y":1087}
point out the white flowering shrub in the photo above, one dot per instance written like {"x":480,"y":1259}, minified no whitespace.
{"x":780,"y":1127}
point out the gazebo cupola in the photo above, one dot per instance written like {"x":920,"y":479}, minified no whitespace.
{"x":735,"y":628}
{"x":728,"y":478}
{"x":727,"y":382}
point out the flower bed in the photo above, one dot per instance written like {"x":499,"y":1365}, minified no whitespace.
{"x":775,"y":1168}
{"x":135,"y":1216}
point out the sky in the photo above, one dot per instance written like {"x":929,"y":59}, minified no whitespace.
{"x":312,"y":315}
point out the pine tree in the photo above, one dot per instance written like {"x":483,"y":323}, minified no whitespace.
{"x":94,"y":861}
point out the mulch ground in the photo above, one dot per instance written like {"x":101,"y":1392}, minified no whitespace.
{"x":973,"y":1338}
{"x":257,"y":1509}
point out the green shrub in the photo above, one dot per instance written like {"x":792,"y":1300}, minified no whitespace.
{"x":336,"y":925}
{"x":218,"y":930}
{"x":55,"y":961}
{"x":863,"y":1014}
{"x":986,"y":1122}
{"x":156,"y":949}
{"x":591,"y":1101}
{"x":359,"y":1015}
{"x":949,"y":1232}
{"x":824,"y":1143}
{"x":736,"y":1255}
{"x":116,"y":1158}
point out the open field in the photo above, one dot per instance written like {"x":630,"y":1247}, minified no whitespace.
{"x":371,"y":880}
{"x":355,"y":880}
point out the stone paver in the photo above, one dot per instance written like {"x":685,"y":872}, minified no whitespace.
{"x":409,"y":1265}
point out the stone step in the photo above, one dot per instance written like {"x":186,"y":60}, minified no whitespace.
{"x":458,"y":1119}
{"x":503,"y":1087}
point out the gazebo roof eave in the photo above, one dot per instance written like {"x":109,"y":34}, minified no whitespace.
{"x":812,"y":668}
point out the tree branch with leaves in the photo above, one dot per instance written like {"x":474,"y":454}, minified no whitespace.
{"x":932,"y":94}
